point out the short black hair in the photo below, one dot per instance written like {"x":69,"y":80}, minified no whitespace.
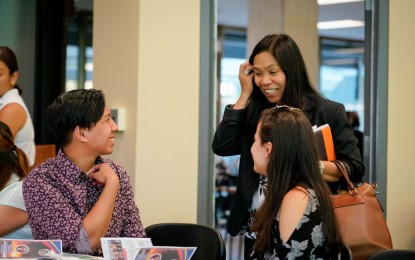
{"x":80,"y":107}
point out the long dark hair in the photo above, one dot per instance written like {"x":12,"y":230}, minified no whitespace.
{"x":288,"y":55}
{"x":12,"y":158}
{"x":293,"y":162}
{"x":9,"y":58}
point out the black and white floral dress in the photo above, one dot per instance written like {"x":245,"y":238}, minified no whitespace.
{"x":257,"y":201}
{"x":307,"y":240}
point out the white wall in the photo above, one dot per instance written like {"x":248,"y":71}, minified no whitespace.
{"x":146,"y":64}
{"x":401,"y":125}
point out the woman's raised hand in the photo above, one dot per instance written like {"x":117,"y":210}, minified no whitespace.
{"x":245,"y":79}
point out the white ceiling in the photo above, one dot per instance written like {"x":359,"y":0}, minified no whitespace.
{"x":234,"y":13}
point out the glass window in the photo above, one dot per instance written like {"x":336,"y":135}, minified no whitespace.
{"x":342,"y":74}
{"x":79,"y":52}
{"x":72,"y":54}
{"x":226,"y":168}
{"x":89,"y":67}
{"x":233,"y":54}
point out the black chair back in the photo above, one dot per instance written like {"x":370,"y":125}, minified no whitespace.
{"x":209,"y":242}
{"x":394,"y":254}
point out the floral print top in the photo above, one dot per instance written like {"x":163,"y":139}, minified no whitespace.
{"x":58,"y":196}
{"x":257,"y":200}
{"x":307,"y":240}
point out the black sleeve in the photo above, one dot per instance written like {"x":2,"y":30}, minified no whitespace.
{"x":228,"y":136}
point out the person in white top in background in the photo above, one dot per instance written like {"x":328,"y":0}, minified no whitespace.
{"x":14,"y":167}
{"x":13,"y":110}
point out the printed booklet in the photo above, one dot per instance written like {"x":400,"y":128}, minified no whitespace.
{"x":28,"y":248}
{"x":165,"y":253}
{"x":22,"y":249}
{"x":117,"y":248}
{"x":123,"y":248}
{"x":113,"y":248}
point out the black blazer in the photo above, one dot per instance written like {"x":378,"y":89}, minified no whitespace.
{"x":232,"y":139}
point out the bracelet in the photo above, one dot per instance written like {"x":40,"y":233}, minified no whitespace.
{"x":321,"y":167}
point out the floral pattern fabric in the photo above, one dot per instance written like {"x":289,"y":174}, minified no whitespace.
{"x":58,"y":196}
{"x":257,"y":201}
{"x":307,"y":240}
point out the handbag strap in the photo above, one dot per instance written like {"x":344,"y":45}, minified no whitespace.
{"x":342,"y":168}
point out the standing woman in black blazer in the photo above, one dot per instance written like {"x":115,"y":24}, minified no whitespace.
{"x":276,"y":75}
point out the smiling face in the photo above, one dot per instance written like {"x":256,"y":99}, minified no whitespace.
{"x":101,"y":136}
{"x":269,"y":77}
{"x":6,"y":80}
{"x":260,"y":152}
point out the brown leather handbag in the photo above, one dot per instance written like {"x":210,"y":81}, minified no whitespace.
{"x":360,"y":218}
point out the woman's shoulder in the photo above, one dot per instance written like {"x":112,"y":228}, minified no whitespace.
{"x":13,"y":181}
{"x":12,"y":192}
{"x":295,"y":199}
{"x":11,"y":96}
{"x":297,"y":192}
{"x":293,"y":207}
{"x":298,"y":198}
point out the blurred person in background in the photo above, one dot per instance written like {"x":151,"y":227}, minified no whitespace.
{"x":13,"y":168}
{"x":13,"y":110}
{"x":355,"y":123}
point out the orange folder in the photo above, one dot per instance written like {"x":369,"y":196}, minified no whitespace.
{"x":324,"y":142}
